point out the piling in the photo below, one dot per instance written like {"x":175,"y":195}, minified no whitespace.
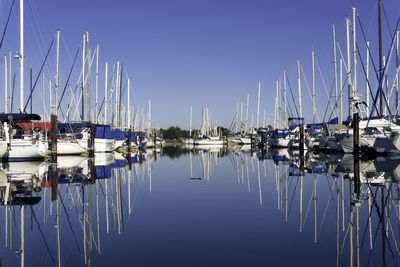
{"x":129,"y":142}
{"x":356,"y":135}
{"x":356,"y":154}
{"x":54,"y":181}
{"x":129,"y":150}
{"x":92,"y":167}
{"x":53,"y":138}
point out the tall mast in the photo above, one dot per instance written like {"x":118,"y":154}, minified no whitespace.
{"x":21,"y":54}
{"x":263,"y":125}
{"x":237,"y":117}
{"x":57,"y":70}
{"x":5,"y":86}
{"x":149,"y":118}
{"x":88,"y":76}
{"x":354,"y":55}
{"x":335,"y":72}
{"x":380,"y":58}
{"x":247,"y":110}
{"x":258,"y":104}
{"x":341,"y":92}
{"x":348,"y":67}
{"x":119,"y":94}
{"x":313,"y":85}
{"x":279,"y":109}
{"x":284,"y":100}
{"x":190,"y":123}
{"x":83,"y":76}
{"x":9,"y":79}
{"x":97,"y":83}
{"x":116,"y":124}
{"x":129,"y":103}
{"x":367,"y":76}
{"x":299,"y":82}
{"x":105,"y":95}
{"x":241,"y":117}
{"x":397,"y":72}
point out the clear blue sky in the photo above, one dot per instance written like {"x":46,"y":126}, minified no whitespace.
{"x":182,"y":53}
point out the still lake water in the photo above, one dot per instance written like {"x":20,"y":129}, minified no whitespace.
{"x":200,"y":207}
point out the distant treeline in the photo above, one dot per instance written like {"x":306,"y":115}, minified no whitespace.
{"x":175,"y":132}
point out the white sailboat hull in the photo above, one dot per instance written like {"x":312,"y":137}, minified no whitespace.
{"x":72,"y":147}
{"x":103,"y":145}
{"x":208,"y":142}
{"x":27,"y":149}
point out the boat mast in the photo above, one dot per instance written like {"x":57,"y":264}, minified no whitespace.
{"x":335,"y":72}
{"x":241,"y":117}
{"x":258,"y":104}
{"x":116,"y":121}
{"x":397,"y":74}
{"x":43,"y":97}
{"x":367,"y":76}
{"x":299,"y":83}
{"x":57,"y":71}
{"x":9,"y":79}
{"x":354,"y":55}
{"x":313,"y":85}
{"x":341,"y":92}
{"x":105,"y":95}
{"x":21,"y":54}
{"x":237,"y":117}
{"x":88,"y":75}
{"x":380,"y":58}
{"x":190,"y":123}
{"x":97,"y":83}
{"x":247,"y":110}
{"x":5,"y":86}
{"x":348,"y":66}
{"x":129,"y":102}
{"x":83,"y":77}
{"x":284,"y":100}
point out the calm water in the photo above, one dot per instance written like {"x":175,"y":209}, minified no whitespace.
{"x":203,"y":207}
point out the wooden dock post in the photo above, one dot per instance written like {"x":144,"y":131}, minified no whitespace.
{"x":129,"y":141}
{"x":129,"y":150}
{"x":53,"y":138}
{"x":356,"y":135}
{"x":356,"y":154}
{"x":53,"y":159}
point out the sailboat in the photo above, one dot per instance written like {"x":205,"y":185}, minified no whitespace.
{"x":208,"y":136}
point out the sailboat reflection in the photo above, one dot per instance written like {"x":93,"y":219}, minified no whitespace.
{"x":365,"y":194}
{"x":73,"y":194}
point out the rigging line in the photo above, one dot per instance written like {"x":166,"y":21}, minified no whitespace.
{"x":323,"y":82}
{"x":308,"y":88}
{"x":5,"y":28}
{"x":69,"y":76}
{"x":384,"y":73}
{"x":291,"y":93}
{"x":41,"y":233}
{"x":386,"y":19}
{"x":294,"y":191}
{"x":327,"y":205}
{"x":365,"y":74}
{"x":365,"y":40}
{"x":38,"y":76}
{"x":69,"y":221}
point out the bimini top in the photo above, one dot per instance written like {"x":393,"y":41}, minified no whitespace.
{"x":19,"y":117}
